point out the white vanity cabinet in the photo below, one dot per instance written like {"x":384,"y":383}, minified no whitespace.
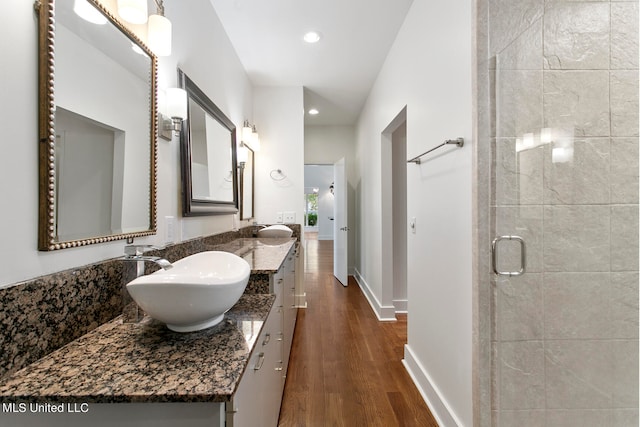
{"x":257,"y":399}
{"x":289,"y":307}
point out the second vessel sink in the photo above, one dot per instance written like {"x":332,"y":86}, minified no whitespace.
{"x":276,"y":230}
{"x":195,"y":293}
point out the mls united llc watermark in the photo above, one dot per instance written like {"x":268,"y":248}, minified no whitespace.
{"x":45,"y":408}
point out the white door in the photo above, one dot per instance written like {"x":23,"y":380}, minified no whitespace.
{"x":340,"y":223}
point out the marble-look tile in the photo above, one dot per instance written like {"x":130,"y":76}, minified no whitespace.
{"x":518,"y":175}
{"x":625,"y":373}
{"x":532,"y":418}
{"x":523,"y":221}
{"x":574,"y":381}
{"x":624,"y":103}
{"x":578,"y":418}
{"x":576,"y":238}
{"x":509,"y":19}
{"x":585,"y":179}
{"x":519,"y":102}
{"x":525,"y":52}
{"x":624,"y":238}
{"x":624,"y":35}
{"x":520,"y":307}
{"x":578,"y":100}
{"x":576,"y":305}
{"x":624,"y":170}
{"x":624,"y":305}
{"x":576,"y":36}
{"x":522,"y":375}
{"x":625,"y":418}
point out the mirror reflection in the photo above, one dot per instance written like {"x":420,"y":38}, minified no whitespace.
{"x":101,"y":167}
{"x":246,"y":174}
{"x":208,"y":146}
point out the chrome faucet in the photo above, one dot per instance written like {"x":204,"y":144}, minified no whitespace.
{"x":131,"y":313}
{"x":136,"y":253}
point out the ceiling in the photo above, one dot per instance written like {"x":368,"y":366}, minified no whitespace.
{"x":338,"y":71}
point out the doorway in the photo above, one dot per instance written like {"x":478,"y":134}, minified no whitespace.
{"x":394,"y":217}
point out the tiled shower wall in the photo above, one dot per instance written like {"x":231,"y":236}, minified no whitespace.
{"x":564,"y":338}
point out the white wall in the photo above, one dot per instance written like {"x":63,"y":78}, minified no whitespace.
{"x":200,"y":47}
{"x":326,"y":145}
{"x":428,"y":70}
{"x":278,"y":115}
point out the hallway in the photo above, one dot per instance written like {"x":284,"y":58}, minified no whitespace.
{"x":345,"y":367}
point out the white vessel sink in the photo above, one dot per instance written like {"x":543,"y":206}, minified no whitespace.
{"x":195,"y":293}
{"x":276,"y":230}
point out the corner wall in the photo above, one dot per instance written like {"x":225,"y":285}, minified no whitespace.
{"x":278,"y":115}
{"x":428,"y":70}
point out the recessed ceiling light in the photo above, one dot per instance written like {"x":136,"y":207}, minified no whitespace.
{"x":314,"y":111}
{"x":312,"y":37}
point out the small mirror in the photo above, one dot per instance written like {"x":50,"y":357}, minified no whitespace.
{"x":208,"y":147}
{"x":245,"y":179}
{"x":97,"y":127}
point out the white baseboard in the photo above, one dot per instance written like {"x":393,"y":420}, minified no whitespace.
{"x":383,"y":313}
{"x":439,"y":407}
{"x":401,"y":305}
{"x":325,"y":237}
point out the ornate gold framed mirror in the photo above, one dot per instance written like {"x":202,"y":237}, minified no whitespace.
{"x":97,"y":127}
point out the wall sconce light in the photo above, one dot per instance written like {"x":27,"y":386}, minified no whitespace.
{"x":86,"y":11}
{"x":158,"y":26}
{"x":250,"y":136}
{"x":242,"y":155}
{"x":133,"y":11}
{"x":172,"y":110}
{"x":159,"y":32}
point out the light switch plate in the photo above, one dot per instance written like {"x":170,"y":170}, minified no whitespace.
{"x":279,"y":217}
{"x":169,"y":229}
{"x":289,"y":217}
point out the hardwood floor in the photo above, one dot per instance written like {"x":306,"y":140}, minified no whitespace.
{"x":345,"y":367}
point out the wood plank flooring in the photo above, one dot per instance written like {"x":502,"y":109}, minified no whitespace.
{"x":345,"y":367}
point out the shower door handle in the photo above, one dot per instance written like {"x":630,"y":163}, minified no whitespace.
{"x":523,"y":256}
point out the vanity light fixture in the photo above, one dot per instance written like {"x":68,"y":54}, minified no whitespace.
{"x":250,"y":136}
{"x":242,"y":154}
{"x":88,"y":12}
{"x":159,"y":32}
{"x":158,"y":26}
{"x":172,"y":110}
{"x":133,"y":11}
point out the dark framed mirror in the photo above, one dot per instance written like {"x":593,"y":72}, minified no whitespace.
{"x":208,"y":154}
{"x":246,"y":173}
{"x":97,"y":127}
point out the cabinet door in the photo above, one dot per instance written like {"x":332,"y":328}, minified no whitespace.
{"x":257,"y":400}
{"x":289,"y":307}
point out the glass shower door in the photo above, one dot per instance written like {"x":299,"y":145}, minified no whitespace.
{"x":564,"y":337}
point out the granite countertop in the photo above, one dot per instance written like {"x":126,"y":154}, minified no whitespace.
{"x":264,"y":255}
{"x":146,"y":362}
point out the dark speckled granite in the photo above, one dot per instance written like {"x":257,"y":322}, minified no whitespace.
{"x":146,"y":362}
{"x":41,"y":315}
